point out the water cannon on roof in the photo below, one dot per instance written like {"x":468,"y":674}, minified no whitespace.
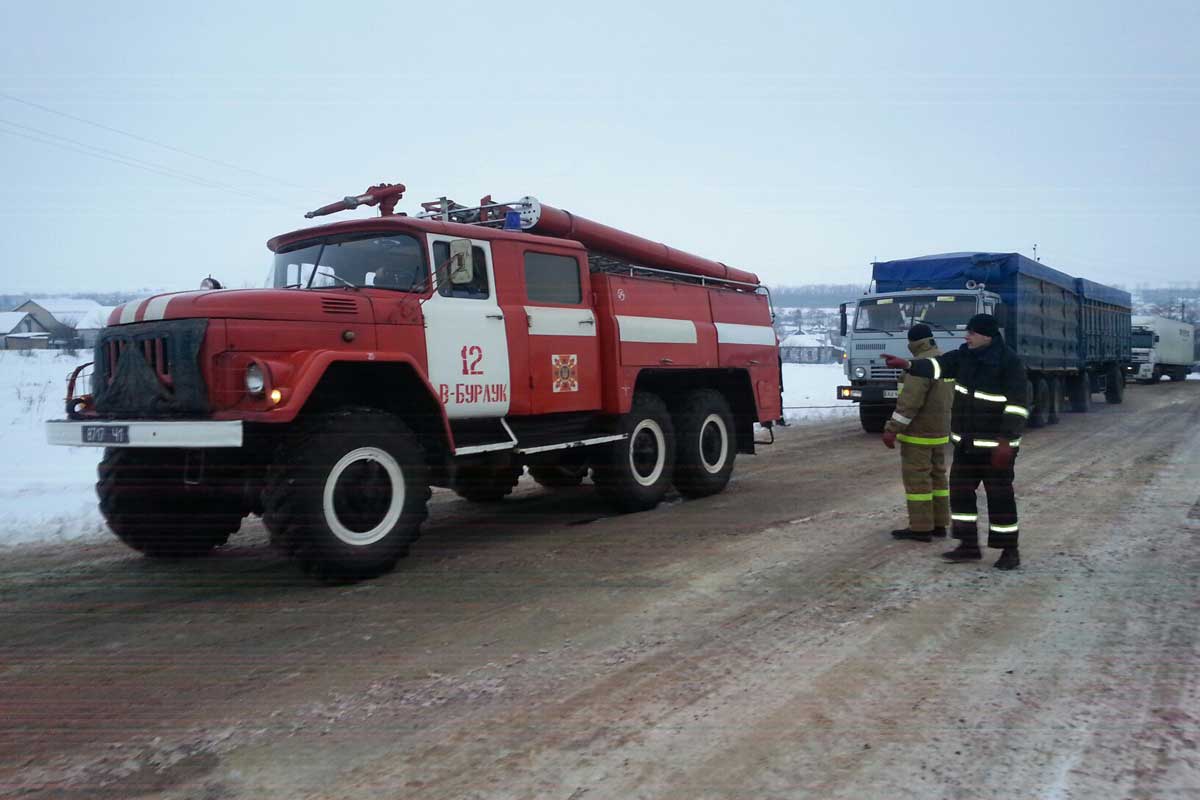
{"x":384,"y":195}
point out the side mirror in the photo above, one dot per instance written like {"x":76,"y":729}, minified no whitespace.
{"x":1001,"y":315}
{"x":842,"y":313}
{"x":462,"y":265}
{"x":1156,"y":338}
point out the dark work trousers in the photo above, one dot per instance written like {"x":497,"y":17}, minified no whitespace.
{"x":971,"y":467}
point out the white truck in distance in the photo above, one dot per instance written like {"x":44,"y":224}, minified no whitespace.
{"x":1161,"y":346}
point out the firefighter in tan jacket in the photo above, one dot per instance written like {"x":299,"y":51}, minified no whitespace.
{"x":921,"y":424}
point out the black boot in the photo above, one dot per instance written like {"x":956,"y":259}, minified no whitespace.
{"x":939,"y":532}
{"x":965,"y":551}
{"x":915,"y":536}
{"x":1010,"y":558}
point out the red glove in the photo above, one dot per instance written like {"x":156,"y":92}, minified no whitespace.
{"x":1002,"y":456}
{"x":889,"y":440}
{"x":895,"y":362}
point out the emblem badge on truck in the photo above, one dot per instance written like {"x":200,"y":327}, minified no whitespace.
{"x":566,"y":373}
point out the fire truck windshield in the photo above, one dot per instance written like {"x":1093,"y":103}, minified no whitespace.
{"x":940,"y":312}
{"x":395,"y":261}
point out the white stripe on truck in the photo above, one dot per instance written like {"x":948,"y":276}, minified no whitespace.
{"x":734,"y":333}
{"x":656,"y":330}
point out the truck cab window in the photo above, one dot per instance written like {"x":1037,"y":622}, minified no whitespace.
{"x":391,"y":261}
{"x":477,"y":289}
{"x":552,"y":279}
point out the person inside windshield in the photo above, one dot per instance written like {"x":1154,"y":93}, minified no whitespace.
{"x":388,"y":276}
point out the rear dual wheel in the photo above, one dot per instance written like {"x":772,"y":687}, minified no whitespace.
{"x":634,"y":473}
{"x":705,"y":444}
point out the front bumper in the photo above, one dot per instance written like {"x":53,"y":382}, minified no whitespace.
{"x":867,"y":394}
{"x":145,"y":433}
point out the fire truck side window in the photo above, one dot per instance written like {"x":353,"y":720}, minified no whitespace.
{"x":477,"y":289}
{"x":552,"y":279}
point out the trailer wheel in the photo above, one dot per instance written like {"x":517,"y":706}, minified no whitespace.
{"x":347,"y":493}
{"x":873,"y":416}
{"x":1039,"y":397}
{"x":705,"y":444}
{"x":1079,"y":387}
{"x":146,"y":503}
{"x":634,"y":473}
{"x":1114,"y":385}
{"x":1177,"y":375}
{"x":487,"y":482}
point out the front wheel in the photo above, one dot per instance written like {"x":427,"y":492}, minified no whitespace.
{"x":874,"y":416}
{"x":149,"y":506}
{"x":706,"y":444}
{"x":347,"y":494}
{"x":635,"y":473}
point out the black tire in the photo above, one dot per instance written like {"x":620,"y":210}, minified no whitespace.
{"x":347,"y":493}
{"x":563,"y":475}
{"x":1177,"y":375}
{"x":1114,"y":385}
{"x":1080,"y":389}
{"x":147,"y":504}
{"x":635,"y":473}
{"x":873,"y":416}
{"x":705,"y":443}
{"x":1039,"y":404}
{"x":486,"y":482}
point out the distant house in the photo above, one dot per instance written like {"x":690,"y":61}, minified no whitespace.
{"x":808,"y":348}
{"x":89,"y":325}
{"x":59,"y":316}
{"x":20,"y":330}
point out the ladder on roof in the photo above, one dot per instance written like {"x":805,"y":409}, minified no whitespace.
{"x":488,"y":213}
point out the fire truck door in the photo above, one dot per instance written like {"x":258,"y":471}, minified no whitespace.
{"x":465,"y":337}
{"x":564,"y":349}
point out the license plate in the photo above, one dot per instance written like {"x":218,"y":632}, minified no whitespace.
{"x":890,"y":394}
{"x":105,"y":434}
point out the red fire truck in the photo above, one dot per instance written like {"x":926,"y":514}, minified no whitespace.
{"x":454,"y":347}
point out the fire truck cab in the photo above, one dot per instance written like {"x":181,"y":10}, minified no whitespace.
{"x":455,"y":347}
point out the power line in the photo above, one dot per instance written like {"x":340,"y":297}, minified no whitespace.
{"x":134,"y":136}
{"x":66,"y":143}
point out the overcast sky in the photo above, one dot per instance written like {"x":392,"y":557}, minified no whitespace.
{"x":799,"y":141}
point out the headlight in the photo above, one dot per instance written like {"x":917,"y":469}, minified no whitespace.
{"x":860,"y":372}
{"x":256,"y":381}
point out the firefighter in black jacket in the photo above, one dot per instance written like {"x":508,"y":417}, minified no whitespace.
{"x":989,"y":413}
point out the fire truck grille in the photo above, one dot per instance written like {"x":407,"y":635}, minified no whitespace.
{"x":879,"y":373}
{"x":151,"y":369}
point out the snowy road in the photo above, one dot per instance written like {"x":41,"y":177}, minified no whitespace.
{"x":772,"y":641}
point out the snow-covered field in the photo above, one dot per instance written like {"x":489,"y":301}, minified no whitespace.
{"x":47,"y":492}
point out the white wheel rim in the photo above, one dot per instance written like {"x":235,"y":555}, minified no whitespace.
{"x":660,"y":462}
{"x":390,"y":518}
{"x":715,"y":421}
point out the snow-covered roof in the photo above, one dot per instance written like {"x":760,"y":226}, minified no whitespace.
{"x":10,"y":320}
{"x":67,"y":310}
{"x":95,"y":319}
{"x":29,"y":335}
{"x":804,"y":340}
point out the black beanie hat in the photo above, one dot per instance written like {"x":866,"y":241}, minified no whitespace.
{"x":984,"y":324}
{"x":919,"y":331}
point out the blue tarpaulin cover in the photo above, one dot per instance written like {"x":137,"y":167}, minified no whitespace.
{"x":997,"y":271}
